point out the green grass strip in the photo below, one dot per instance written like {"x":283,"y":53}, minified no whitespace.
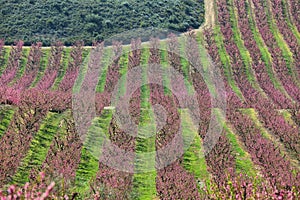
{"x":6,"y":114}
{"x":254,"y":116}
{"x":287,"y":116}
{"x":286,"y":53}
{"x":63,"y":67}
{"x":225,"y":60}
{"x":165,"y":65}
{"x":144,"y":182}
{"x":85,"y":53}
{"x":3,"y":63}
{"x":266,"y":134}
{"x":266,"y":56}
{"x":82,"y":71}
{"x":287,"y":17}
{"x":38,"y":148}
{"x":247,"y":61}
{"x":22,"y":65}
{"x":91,"y":151}
{"x":207,"y":67}
{"x":193,"y":157}
{"x":23,"y":61}
{"x":105,"y":63}
{"x":123,"y":72}
{"x":183,"y":59}
{"x":244,"y":164}
{"x":43,"y":65}
{"x":185,"y":64}
{"x":145,"y":91}
{"x":144,"y":179}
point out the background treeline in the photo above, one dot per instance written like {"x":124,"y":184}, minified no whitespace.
{"x":89,"y":20}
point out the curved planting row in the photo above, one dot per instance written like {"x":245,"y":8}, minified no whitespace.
{"x":39,"y":148}
{"x":278,"y":61}
{"x":289,"y":37}
{"x":263,"y":153}
{"x":33,"y":106}
{"x":183,"y":185}
{"x":31,"y":69}
{"x":294,"y":7}
{"x":64,"y":154}
{"x":6,"y":114}
{"x":16,"y":140}
{"x":64,"y":157}
{"x":268,"y":115}
{"x":220,"y":160}
{"x":73,"y":68}
{"x":110,"y":178}
{"x":52,"y":68}
{"x":13,"y":63}
{"x":257,"y":63}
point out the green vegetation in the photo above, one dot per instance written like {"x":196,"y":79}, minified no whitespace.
{"x":144,"y":182}
{"x":184,"y":66}
{"x":254,"y":116}
{"x":225,"y":60}
{"x":6,"y":114}
{"x":63,"y":67}
{"x":244,"y":163}
{"x":145,"y":91}
{"x":268,"y":135}
{"x":43,"y":65}
{"x":4,"y":59}
{"x":193,"y":157}
{"x":266,"y":56}
{"x":288,"y":20}
{"x":164,"y":67}
{"x":88,"y":166}
{"x":82,"y":70}
{"x":286,"y":53}
{"x":243,"y":50}
{"x":287,"y":116}
{"x":88,"y":20}
{"x":22,"y":64}
{"x":39,"y":147}
{"x":105,"y":62}
{"x":122,"y":82}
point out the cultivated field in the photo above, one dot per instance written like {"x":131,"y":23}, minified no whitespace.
{"x":254,"y":45}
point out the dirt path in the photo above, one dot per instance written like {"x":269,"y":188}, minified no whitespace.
{"x":209,"y":15}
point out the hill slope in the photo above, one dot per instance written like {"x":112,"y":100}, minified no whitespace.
{"x":70,"y":20}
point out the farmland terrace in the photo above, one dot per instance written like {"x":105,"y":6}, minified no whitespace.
{"x":254,"y":45}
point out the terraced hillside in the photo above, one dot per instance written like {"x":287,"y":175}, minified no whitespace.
{"x":255,"y":46}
